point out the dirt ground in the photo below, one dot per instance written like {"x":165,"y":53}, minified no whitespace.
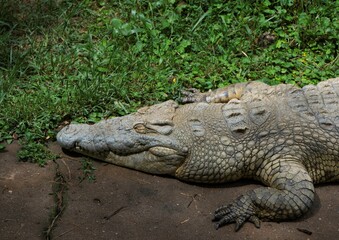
{"x":126,"y":204}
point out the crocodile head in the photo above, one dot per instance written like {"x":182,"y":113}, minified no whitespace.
{"x":143,"y":140}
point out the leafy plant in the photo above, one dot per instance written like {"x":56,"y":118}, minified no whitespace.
{"x":87,"y":170}
{"x":5,"y":136}
{"x":35,"y":153}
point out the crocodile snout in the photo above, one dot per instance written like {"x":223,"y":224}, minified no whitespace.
{"x":69,"y":136}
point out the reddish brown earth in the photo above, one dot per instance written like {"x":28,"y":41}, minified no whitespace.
{"x":126,"y":204}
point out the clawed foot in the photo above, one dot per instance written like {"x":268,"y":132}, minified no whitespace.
{"x":191,"y":95}
{"x":239,"y":211}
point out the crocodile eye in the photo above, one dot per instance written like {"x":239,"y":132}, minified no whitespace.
{"x":140,"y":128}
{"x":147,"y":128}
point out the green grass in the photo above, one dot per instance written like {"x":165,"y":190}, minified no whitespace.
{"x":86,"y":60}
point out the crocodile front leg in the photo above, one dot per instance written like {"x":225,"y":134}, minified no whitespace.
{"x":223,"y":95}
{"x":289,"y":196}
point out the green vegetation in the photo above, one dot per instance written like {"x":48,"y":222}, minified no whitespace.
{"x":87,"y":170}
{"x":35,"y":153}
{"x":87,"y":60}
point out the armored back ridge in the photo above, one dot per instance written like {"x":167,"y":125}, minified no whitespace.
{"x":318,"y":103}
{"x":284,"y":136}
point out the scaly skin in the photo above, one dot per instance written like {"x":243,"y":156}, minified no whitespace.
{"x":283,"y":136}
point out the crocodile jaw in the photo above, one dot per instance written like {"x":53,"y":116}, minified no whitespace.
{"x":147,"y":162}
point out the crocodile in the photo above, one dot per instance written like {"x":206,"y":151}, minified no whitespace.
{"x":284,"y":136}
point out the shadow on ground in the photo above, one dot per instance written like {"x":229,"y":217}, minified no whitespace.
{"x":126,"y":204}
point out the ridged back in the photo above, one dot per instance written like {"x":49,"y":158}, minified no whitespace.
{"x":318,"y":103}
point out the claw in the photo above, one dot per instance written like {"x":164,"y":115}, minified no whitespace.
{"x":190,"y":91}
{"x":240,"y":211}
{"x":255,"y":220}
{"x":238,"y":223}
{"x":226,"y":219}
{"x":190,"y":95}
{"x":221,"y":223}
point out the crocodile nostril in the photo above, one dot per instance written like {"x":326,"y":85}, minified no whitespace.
{"x":70,"y":129}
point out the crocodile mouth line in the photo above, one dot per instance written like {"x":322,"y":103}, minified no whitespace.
{"x":94,"y":154}
{"x":158,"y":151}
